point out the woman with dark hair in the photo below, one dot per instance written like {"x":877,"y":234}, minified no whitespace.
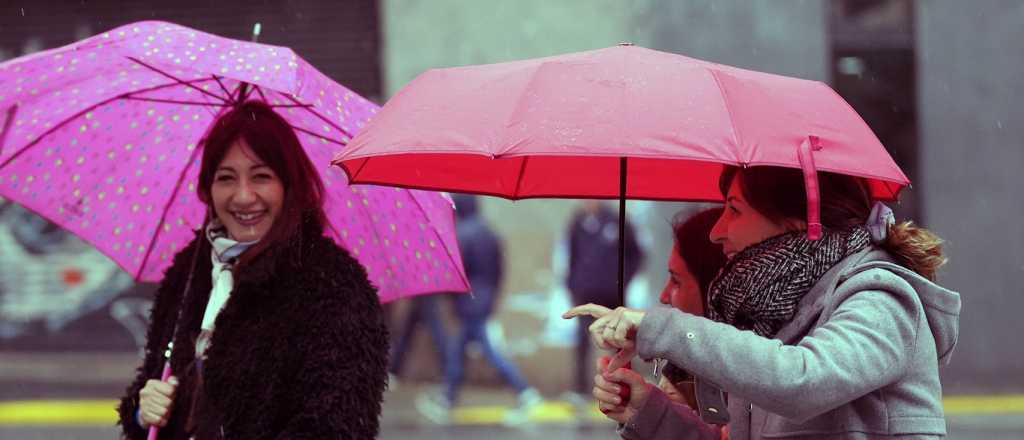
{"x":835,"y":338}
{"x":694,"y":262}
{"x":276,"y":330}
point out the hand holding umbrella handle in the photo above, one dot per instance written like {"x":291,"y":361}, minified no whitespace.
{"x":153,"y":429}
{"x":624,"y":389}
{"x":166,"y":374}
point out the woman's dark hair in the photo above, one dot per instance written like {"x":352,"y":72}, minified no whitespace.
{"x":272,"y":139}
{"x":702,"y":258}
{"x":778,"y":193}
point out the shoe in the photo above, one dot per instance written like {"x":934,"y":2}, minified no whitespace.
{"x":529,"y":401}
{"x":392,"y":382}
{"x":434,"y":407}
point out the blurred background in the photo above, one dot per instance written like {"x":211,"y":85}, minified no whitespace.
{"x":939,"y":81}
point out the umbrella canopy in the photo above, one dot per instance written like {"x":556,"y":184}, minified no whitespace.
{"x":103,"y":137}
{"x":559,"y":125}
{"x":621,"y":122}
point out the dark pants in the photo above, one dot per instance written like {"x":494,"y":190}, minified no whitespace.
{"x":424,"y":310}
{"x":475,"y":329}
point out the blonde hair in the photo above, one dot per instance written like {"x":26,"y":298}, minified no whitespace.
{"x":915,"y":248}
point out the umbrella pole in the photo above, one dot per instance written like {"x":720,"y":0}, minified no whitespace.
{"x":622,"y":231}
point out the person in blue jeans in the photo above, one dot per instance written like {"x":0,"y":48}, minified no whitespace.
{"x":423,"y":310}
{"x":483,"y":258}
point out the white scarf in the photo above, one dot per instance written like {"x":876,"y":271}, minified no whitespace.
{"x":223,"y":255}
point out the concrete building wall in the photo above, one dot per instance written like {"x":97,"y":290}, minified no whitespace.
{"x":971,"y":156}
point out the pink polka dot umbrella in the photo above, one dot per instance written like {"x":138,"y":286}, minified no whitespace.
{"x":103,"y":138}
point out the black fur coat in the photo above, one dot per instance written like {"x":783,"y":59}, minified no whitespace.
{"x":298,"y":352}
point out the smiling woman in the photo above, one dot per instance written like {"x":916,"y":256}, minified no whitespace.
{"x":255,"y":170}
{"x":277,"y":331}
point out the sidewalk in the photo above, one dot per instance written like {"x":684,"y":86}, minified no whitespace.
{"x":79,"y":390}
{"x":82,"y":389}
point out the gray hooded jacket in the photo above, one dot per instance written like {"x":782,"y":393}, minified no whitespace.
{"x":859,"y":360}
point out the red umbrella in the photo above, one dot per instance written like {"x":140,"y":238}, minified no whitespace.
{"x":621,"y":122}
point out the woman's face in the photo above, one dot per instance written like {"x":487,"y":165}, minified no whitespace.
{"x":247,"y":196}
{"x":681,"y":290}
{"x":740,"y":226}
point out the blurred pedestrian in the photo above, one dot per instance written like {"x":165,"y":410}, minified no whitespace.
{"x":483,"y":258}
{"x":423,"y":310}
{"x":277,"y":331}
{"x":593,"y":274}
{"x":840,"y":337}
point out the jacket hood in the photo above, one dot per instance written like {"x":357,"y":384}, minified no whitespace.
{"x":941,"y":306}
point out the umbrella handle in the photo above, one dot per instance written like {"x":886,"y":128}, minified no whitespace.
{"x":153,"y":430}
{"x":811,"y":185}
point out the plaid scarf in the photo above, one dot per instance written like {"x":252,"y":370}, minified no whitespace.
{"x":759,"y":289}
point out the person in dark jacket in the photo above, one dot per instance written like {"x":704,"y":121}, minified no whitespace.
{"x":594,"y":271}
{"x":483,"y":259}
{"x":277,"y":332}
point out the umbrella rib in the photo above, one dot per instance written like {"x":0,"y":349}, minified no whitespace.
{"x":11,"y":112}
{"x":311,"y":133}
{"x":222,"y":86}
{"x":167,"y":208}
{"x":360,"y":170}
{"x":174,"y":101}
{"x":80,"y":113}
{"x":260,"y":91}
{"x":448,"y":251}
{"x":519,"y":180}
{"x":179,"y":80}
{"x":728,"y":111}
{"x":318,"y":115}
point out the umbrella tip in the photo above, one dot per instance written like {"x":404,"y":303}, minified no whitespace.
{"x":626,"y":43}
{"x":256,"y":28}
